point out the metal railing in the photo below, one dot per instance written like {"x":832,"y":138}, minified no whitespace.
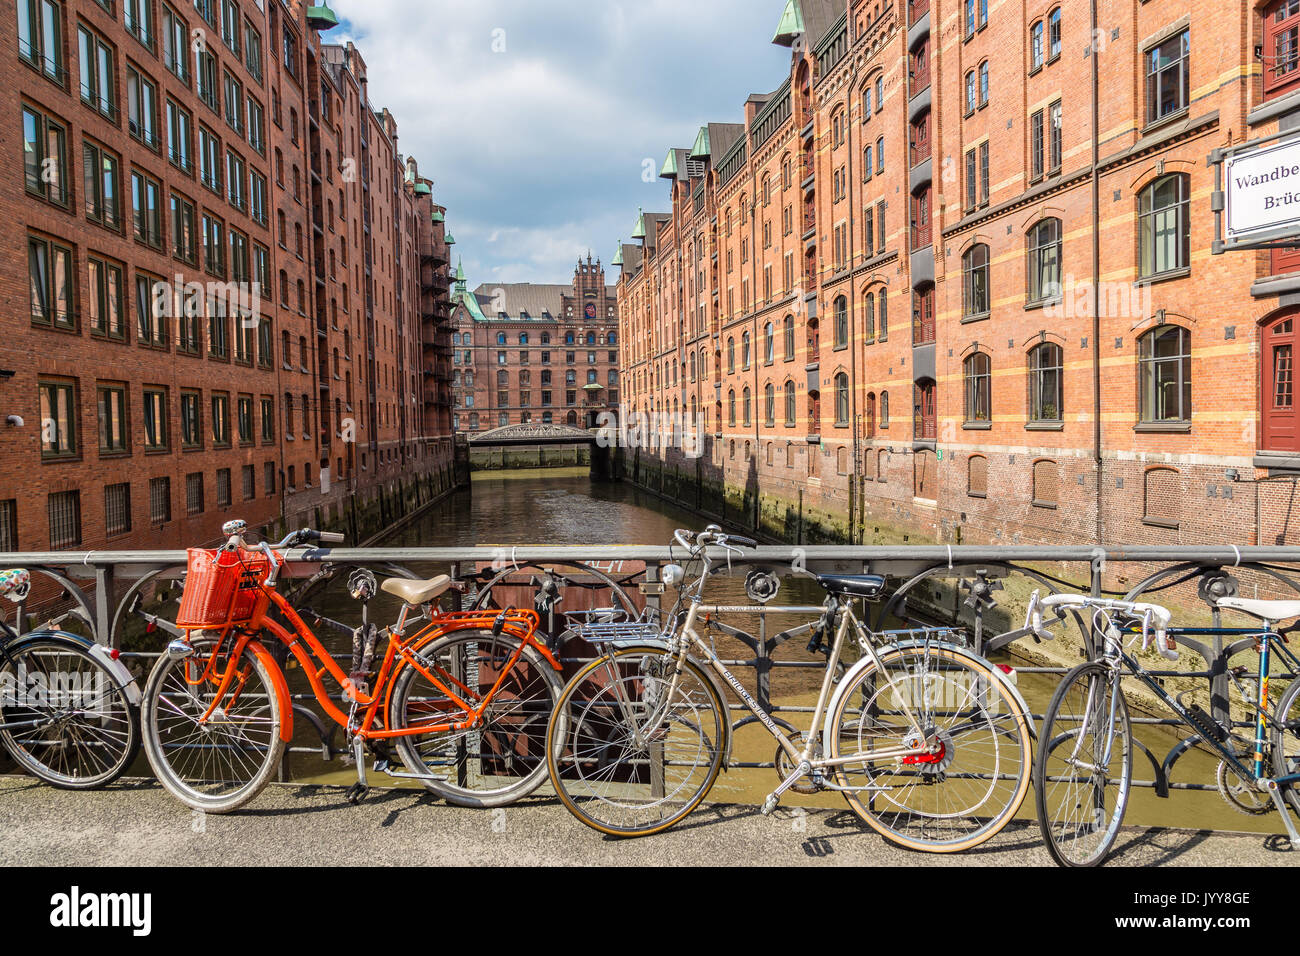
{"x":931,"y":584}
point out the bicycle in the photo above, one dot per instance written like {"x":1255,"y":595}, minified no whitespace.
{"x":1084,"y":767}
{"x":929,"y":744}
{"x":67,"y":704}
{"x":465,"y":700}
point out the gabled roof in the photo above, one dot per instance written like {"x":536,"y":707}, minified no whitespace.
{"x":701,"y":148}
{"x":809,"y":17}
{"x":724,"y":135}
{"x":675,"y":164}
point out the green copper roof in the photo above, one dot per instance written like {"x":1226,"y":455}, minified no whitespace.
{"x":322,"y":17}
{"x":450,"y":240}
{"x":438,"y":216}
{"x":618,"y":256}
{"x":669,"y":169}
{"x":791,"y":24}
{"x":460,"y":270}
{"x":422,"y":189}
{"x":638,"y":230}
{"x":701,"y":148}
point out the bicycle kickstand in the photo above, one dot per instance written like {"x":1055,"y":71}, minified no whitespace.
{"x":796,"y":775}
{"x":357,"y":792}
{"x":1275,"y":792}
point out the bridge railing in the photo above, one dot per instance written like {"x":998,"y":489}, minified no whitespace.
{"x":979,"y":588}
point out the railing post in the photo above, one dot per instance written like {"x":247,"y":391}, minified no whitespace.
{"x":103,"y":603}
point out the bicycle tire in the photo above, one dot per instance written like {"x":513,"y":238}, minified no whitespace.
{"x":93,"y":742}
{"x":216,"y":766}
{"x":503,"y":756}
{"x":1062,"y":798}
{"x":976,"y":782}
{"x":607,"y":778}
{"x":1285,"y":742}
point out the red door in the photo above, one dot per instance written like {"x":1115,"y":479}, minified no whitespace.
{"x":1277,"y":386}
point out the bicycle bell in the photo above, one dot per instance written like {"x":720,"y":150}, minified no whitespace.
{"x":761,"y":585}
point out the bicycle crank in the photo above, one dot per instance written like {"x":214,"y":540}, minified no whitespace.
{"x":785,"y":768}
{"x":1242,"y":795}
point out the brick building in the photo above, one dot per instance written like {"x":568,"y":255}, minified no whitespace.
{"x":526,"y":352}
{"x":955,"y":278}
{"x":226,"y":287}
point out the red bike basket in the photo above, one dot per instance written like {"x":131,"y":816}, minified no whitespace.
{"x":222,"y":587}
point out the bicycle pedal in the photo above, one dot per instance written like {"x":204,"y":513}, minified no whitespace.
{"x":381,"y":765}
{"x":356,"y":793}
{"x":768,"y":806}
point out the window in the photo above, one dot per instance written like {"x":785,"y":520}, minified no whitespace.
{"x":972,"y":94}
{"x":1166,"y":77}
{"x":883,"y":314}
{"x":977,"y":476}
{"x":1054,"y":137}
{"x":51,"y":283}
{"x":105,"y":304}
{"x":1165,"y":375}
{"x":977,"y":15}
{"x":101,"y":186}
{"x":923,"y":314}
{"x":176,"y":39}
{"x":117,"y":508}
{"x":230,"y":25}
{"x":64,"y":512}
{"x":256,"y":126}
{"x":1054,"y":34}
{"x":1047,"y":480}
{"x":236,"y":181}
{"x":114,"y":433}
{"x":155,"y":419}
{"x":45,"y":154}
{"x":788,"y":328}
{"x":921,"y":231}
{"x":160,"y":500}
{"x":789,"y":403}
{"x":984,"y":83}
{"x":880,"y":155}
{"x":1044,"y":270}
{"x":841,"y":322}
{"x":884,"y":409}
{"x":923,"y":412}
{"x":1281,"y":47}
{"x":1036,"y":45}
{"x":731,"y":406}
{"x":1164,"y":227}
{"x":40,"y":37}
{"x":142,"y":107}
{"x":184,"y":241}
{"x":744,"y":350}
{"x":223,"y":487}
{"x":98,"y":83}
{"x":1162,"y":497}
{"x":234,"y":97}
{"x":253,"y":51}
{"x":191,"y":423}
{"x":769,"y":403}
{"x":1045,"y":383}
{"x":1036,"y":145}
{"x":151,"y":325}
{"x":976,"y":382}
{"x":179,"y":135}
{"x":841,"y":399}
{"x":248,"y":477}
{"x":975,"y":282}
{"x":210,"y":160}
{"x":194,"y":493}
{"x":146,"y":197}
{"x":58,"y":419}
{"x":205,"y":72}
{"x":214,"y":254}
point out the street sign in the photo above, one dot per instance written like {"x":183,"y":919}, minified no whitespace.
{"x":1257,"y":199}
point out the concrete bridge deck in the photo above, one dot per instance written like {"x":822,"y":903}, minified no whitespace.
{"x":136,"y":823}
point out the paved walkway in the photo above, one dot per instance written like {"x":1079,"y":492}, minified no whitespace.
{"x":136,"y":823}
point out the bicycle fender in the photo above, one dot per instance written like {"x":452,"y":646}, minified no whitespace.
{"x":1012,"y":690}
{"x":102,"y":655}
{"x":281,"y":687}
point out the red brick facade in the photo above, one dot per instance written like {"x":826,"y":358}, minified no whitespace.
{"x":221,"y":142}
{"x":890,"y":265}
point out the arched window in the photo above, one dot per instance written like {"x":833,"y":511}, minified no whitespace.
{"x":841,"y":399}
{"x":769,"y":403}
{"x":731,"y":354}
{"x":1165,"y":375}
{"x":880,"y":154}
{"x":1054,"y":34}
{"x":789,"y":403}
{"x":1036,"y":45}
{"x":744,"y":349}
{"x":884,"y":409}
{"x":977,"y":476}
{"x":923,"y":314}
{"x":976,"y":381}
{"x":523,"y":338}
{"x":503,"y":377}
{"x":868,"y":163}
{"x":1164,"y":227}
{"x":1163,"y":496}
{"x":841,"y":461}
{"x":501,"y":338}
{"x":745,"y":405}
{"x":789,"y":337}
{"x":923,"y":410}
{"x":769,"y":343}
{"x":1044,"y":270}
{"x":841,"y":322}
{"x":1046,"y":483}
{"x":869,"y":416}
{"x":1045,"y":391}
{"x":972,"y":95}
{"x":731,"y":406}
{"x":546,"y":338}
{"x":869,"y":317}
{"x":975,"y":282}
{"x":692,"y":366}
{"x":984,"y":83}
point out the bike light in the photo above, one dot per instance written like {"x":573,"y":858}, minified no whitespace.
{"x":1006,"y":668}
{"x":673,"y":574}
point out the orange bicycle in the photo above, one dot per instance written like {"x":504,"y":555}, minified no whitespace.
{"x":466,"y":700}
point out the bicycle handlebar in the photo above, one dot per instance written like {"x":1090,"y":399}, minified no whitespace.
{"x":1154,"y":618}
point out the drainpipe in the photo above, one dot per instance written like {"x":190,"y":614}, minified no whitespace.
{"x":1096,"y":274}
{"x":855,"y":479}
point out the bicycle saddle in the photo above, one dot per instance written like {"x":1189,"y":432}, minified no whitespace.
{"x":859,"y":585}
{"x":417,"y":592}
{"x":1266,"y":610}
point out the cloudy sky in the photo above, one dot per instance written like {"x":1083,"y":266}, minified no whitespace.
{"x":535,"y":118}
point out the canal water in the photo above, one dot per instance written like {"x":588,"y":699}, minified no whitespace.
{"x":565,"y":507}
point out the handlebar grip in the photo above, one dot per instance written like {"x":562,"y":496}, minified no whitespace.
{"x":331,"y":537}
{"x":740,"y":540}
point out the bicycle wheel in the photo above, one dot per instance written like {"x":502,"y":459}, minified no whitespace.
{"x":63,"y":716}
{"x":1285,"y":743}
{"x":219,"y":763}
{"x":630,"y":752}
{"x":1084,"y":767}
{"x":502,"y":757}
{"x":951,"y":799}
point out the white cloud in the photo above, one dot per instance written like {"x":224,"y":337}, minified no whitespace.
{"x":537,"y":151}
